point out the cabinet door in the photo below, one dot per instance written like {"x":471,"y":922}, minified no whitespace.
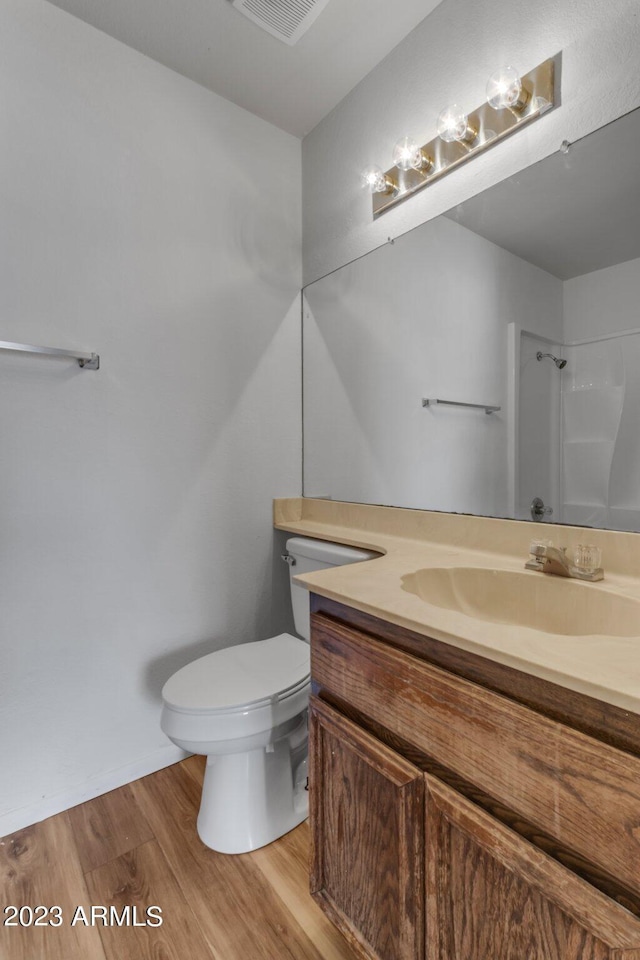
{"x":493,"y":896}
{"x":580,"y":791}
{"x":367,"y":826}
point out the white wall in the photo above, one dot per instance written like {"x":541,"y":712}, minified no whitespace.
{"x":602,"y":302}
{"x":448,"y":58}
{"x":426,"y":316}
{"x":135,"y":502}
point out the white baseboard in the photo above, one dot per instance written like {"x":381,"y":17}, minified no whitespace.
{"x":49,"y":806}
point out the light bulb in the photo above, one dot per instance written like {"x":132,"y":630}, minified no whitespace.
{"x":505,"y":90}
{"x":453,"y":124}
{"x":375,"y":180}
{"x":407,"y":155}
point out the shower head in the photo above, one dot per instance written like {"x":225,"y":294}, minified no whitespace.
{"x":560,"y":364}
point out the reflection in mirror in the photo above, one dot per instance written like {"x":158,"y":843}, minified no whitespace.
{"x":475,"y":307}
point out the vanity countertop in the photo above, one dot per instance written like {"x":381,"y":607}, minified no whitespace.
{"x":601,"y":666}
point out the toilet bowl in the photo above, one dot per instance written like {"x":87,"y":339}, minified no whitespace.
{"x":245,"y":708}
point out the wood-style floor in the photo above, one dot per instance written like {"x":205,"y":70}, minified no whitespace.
{"x":138,"y":846}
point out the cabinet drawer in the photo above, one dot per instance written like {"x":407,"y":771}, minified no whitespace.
{"x":583,"y":793}
{"x":367,"y":818}
{"x":491,"y":895}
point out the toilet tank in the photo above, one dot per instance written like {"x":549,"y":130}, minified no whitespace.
{"x":306,"y":555}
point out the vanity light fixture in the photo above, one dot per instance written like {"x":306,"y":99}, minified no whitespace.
{"x":454,"y":126}
{"x":512,"y":102}
{"x":376,"y":181}
{"x":505,"y":90}
{"x":407,"y":155}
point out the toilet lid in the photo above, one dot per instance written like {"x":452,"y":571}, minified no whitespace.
{"x":241,"y":675}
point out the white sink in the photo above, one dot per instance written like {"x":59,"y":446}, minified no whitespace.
{"x":542,"y":602}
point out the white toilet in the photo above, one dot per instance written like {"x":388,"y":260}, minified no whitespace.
{"x":245,"y":707}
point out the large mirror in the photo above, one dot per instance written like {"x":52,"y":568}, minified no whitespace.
{"x":525,"y":298}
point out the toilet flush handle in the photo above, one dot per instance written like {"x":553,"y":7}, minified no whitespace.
{"x":289,"y":559}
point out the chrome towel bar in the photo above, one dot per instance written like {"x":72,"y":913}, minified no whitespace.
{"x":88,"y":361}
{"x":457,"y":403}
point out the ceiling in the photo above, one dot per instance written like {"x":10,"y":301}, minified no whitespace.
{"x":212,"y":43}
{"x":571,"y":213}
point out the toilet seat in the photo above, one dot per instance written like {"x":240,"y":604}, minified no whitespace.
{"x":241,"y":677}
{"x":239,"y":692}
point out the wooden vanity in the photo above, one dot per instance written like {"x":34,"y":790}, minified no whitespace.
{"x":475,"y":771}
{"x":462,"y":809}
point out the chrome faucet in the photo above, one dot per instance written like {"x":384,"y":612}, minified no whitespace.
{"x":554,"y":560}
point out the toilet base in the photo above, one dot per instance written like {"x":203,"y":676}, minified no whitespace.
{"x":251,"y":798}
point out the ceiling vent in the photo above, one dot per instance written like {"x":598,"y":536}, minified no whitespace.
{"x":285,"y":19}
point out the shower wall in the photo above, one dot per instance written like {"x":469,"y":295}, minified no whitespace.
{"x":601,"y":398}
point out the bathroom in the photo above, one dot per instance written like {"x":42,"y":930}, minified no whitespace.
{"x":160,"y":225}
